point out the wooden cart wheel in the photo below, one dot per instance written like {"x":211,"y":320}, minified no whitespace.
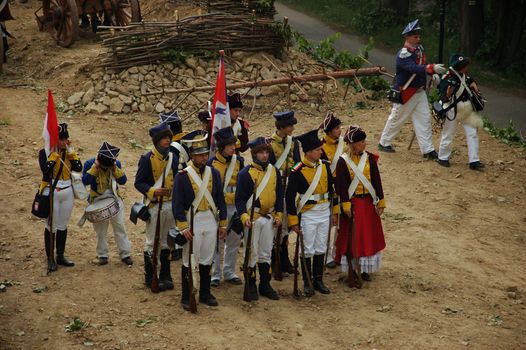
{"x":136,"y":10}
{"x":125,"y":12}
{"x":64,"y":16}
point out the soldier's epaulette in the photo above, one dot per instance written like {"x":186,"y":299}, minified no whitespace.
{"x":297,"y":167}
{"x":404,"y":53}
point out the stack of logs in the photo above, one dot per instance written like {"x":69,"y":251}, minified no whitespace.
{"x":153,"y":42}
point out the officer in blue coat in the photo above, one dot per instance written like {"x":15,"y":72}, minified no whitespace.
{"x":410,"y":82}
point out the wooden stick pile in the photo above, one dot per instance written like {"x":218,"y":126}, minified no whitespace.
{"x":238,"y":7}
{"x":153,"y":42}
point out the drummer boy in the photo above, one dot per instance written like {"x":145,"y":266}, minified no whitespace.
{"x":103,"y":174}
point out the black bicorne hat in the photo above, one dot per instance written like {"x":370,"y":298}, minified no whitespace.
{"x":310,"y":140}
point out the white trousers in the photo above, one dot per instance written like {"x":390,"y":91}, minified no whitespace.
{"x":119,"y":233}
{"x":418,"y":109}
{"x":230,"y":249}
{"x":167,"y":222}
{"x":448,"y":134}
{"x":62,"y":208}
{"x":204,"y":241}
{"x":262,"y":241}
{"x":315,"y":228}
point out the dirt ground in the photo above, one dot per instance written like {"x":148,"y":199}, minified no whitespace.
{"x":452,"y":275}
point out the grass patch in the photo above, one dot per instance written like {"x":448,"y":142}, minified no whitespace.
{"x":508,"y":135}
{"x":75,"y":325}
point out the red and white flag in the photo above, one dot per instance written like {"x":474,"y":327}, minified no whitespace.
{"x":50,"y":132}
{"x":220,"y":109}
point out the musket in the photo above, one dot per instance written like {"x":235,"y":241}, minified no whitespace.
{"x":246,"y":261}
{"x":296,"y":269}
{"x":193,"y":303}
{"x":328,"y":237}
{"x":155,"y":278}
{"x":276,"y":269}
{"x":353,"y":278}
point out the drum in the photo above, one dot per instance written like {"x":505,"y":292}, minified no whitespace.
{"x":101,"y":210}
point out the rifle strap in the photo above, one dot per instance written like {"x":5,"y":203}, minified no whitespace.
{"x":337,"y":154}
{"x":312,"y":187}
{"x":261,"y":187}
{"x":160,"y":181}
{"x":203,"y":187}
{"x":229,"y":172}
{"x":285,"y":153}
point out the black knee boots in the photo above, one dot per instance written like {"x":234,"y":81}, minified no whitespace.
{"x":205,"y":296}
{"x":317,"y":273}
{"x":62,"y":235}
{"x":49,"y":243}
{"x":165,"y":277}
{"x":265,"y":289}
{"x":286,"y":265}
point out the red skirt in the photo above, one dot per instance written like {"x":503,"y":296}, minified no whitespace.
{"x":368,"y":236}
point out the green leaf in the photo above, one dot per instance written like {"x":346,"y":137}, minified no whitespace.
{"x":142,"y":323}
{"x":40,"y":289}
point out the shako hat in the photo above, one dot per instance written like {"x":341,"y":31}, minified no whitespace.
{"x":234,"y":100}
{"x":225,"y":136}
{"x":258,"y":144}
{"x":285,"y":118}
{"x":159,"y":131}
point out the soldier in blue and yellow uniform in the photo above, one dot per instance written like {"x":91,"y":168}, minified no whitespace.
{"x":284,"y":154}
{"x":333,"y":147}
{"x":268,"y":213}
{"x":311,"y":180}
{"x":228,"y":163}
{"x":174,"y":122}
{"x":410,"y":82}
{"x":198,"y":189}
{"x":103,"y":174}
{"x":239,"y":126}
{"x":56,"y":167}
{"x":154,"y":179}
